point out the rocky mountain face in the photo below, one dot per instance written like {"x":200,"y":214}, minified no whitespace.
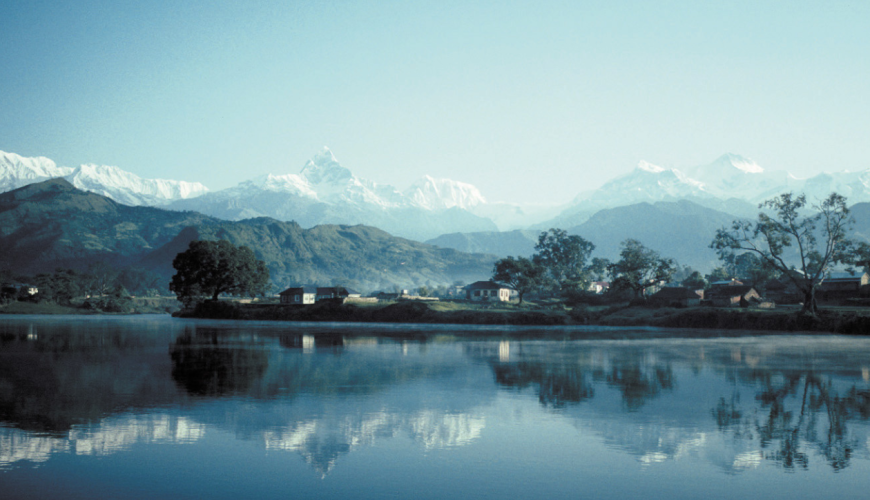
{"x":53,"y":224}
{"x":124,"y":187}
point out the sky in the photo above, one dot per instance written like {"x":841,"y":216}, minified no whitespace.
{"x":529,"y":101}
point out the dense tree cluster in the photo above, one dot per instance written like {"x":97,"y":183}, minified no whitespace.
{"x":208,"y":269}
{"x":563,"y":265}
{"x":100,"y":287}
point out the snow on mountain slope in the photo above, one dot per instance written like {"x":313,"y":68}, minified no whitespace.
{"x":130,"y":189}
{"x":336,"y":184}
{"x":17,"y":171}
{"x":122,"y":186}
{"x":647,"y":182}
{"x":733,"y":176}
{"x":325,"y":192}
{"x":439,"y":194}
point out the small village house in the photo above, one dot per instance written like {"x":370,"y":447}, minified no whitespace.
{"x":488,"y":290}
{"x":676,"y":296}
{"x":299,"y":295}
{"x":734,"y":296}
{"x":845,"y":282}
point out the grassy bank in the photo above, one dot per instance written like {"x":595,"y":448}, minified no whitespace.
{"x":851,"y":321}
{"x":139,"y":305}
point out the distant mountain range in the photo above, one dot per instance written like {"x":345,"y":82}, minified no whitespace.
{"x":53,"y":224}
{"x":17,"y":171}
{"x":455,"y":214}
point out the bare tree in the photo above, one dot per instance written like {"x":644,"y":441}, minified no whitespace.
{"x":820,"y":240}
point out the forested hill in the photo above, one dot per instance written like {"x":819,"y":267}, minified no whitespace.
{"x":52,"y":224}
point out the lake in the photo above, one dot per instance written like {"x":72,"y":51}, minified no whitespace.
{"x":156,"y":407}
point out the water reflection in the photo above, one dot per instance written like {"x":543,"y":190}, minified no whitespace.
{"x":735,"y":404}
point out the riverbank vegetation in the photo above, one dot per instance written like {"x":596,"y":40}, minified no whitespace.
{"x":845,"y":320}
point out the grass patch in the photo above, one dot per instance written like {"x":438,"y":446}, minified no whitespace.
{"x":40,"y":308}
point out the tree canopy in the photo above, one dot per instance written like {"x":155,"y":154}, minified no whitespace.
{"x":818,"y":240}
{"x":639,"y":268}
{"x":564,"y":258}
{"x":208,"y":269}
{"x":521,"y":273}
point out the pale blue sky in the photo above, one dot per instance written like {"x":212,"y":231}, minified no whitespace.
{"x":529,"y":101}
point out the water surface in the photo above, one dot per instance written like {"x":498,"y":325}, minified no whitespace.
{"x":150,"y":406}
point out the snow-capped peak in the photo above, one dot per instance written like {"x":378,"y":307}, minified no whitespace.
{"x":439,"y":194}
{"x":122,"y":186}
{"x":17,"y":171}
{"x":324,"y":168}
{"x":649,"y":167}
{"x":739,"y":162}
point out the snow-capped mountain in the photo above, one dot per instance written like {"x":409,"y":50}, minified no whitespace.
{"x":439,"y":194}
{"x":731,"y":183}
{"x":325,"y":192}
{"x":17,"y":171}
{"x":733,"y":176}
{"x":122,"y":186}
{"x":130,"y":189}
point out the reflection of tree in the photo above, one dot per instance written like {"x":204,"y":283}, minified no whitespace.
{"x":558,"y":384}
{"x":211,"y":369}
{"x":54,"y":377}
{"x":561,"y":381}
{"x":797,"y":406}
{"x":637,"y":384}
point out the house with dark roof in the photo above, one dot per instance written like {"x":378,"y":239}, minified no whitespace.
{"x":299,"y":295}
{"x":734,"y":296}
{"x":336,"y":292}
{"x":845,"y":282}
{"x":676,"y":296}
{"x":488,"y":290}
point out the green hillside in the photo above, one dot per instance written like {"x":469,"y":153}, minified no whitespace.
{"x":52,"y":224}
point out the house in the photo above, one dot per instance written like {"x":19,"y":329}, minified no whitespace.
{"x":731,"y":282}
{"x":598,"y":286}
{"x":674,"y":296}
{"x":299,"y":295}
{"x":488,"y":290}
{"x":844,"y":282}
{"x":734,"y":296}
{"x":336,"y":292}
{"x":783,"y":291}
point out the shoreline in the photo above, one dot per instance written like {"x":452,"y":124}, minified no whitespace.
{"x":829,"y":321}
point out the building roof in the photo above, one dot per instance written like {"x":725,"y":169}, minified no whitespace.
{"x":731,"y":282}
{"x":487,"y":285}
{"x":732,"y":291}
{"x":845,"y":276}
{"x":676,"y":292}
{"x":299,"y":289}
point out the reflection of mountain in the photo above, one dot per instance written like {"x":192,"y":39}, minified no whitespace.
{"x":322,"y":441}
{"x":110,"y":435}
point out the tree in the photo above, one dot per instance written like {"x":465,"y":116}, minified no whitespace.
{"x":750,"y":266}
{"x":819,"y":240}
{"x":521,"y":273}
{"x":210,"y":268}
{"x":564,"y":258}
{"x":695,"y":280}
{"x":639,"y":268}
{"x":719,"y":274}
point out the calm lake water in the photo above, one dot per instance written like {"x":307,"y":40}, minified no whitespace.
{"x":154,"y":407}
